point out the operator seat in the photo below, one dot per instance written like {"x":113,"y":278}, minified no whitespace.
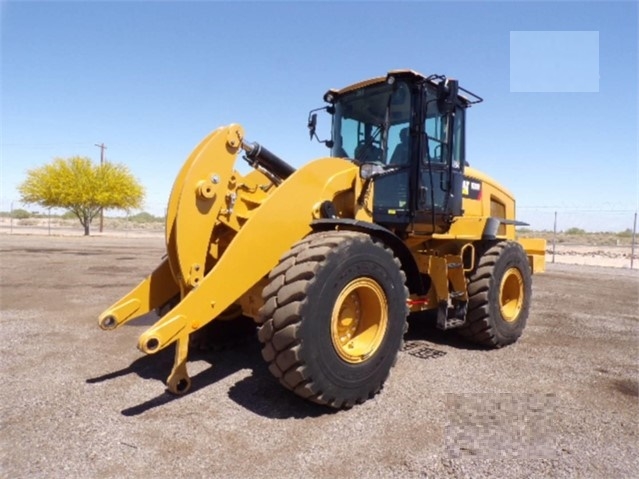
{"x":401,"y":155}
{"x":392,"y":192}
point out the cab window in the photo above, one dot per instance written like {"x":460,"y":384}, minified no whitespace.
{"x":436,"y":128}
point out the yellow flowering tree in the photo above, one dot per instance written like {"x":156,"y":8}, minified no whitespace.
{"x":82,"y":188}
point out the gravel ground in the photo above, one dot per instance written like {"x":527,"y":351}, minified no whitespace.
{"x":79,"y":402}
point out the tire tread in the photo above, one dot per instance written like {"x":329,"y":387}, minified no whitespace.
{"x":480,"y":327}
{"x":281,"y":317}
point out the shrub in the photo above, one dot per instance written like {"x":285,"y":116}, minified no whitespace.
{"x":145,"y":217}
{"x":21,"y":214}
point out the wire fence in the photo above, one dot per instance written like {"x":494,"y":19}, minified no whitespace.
{"x":20,"y":218}
{"x":584,"y":236}
{"x":577,"y":236}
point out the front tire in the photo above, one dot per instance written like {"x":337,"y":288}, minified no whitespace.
{"x":499,"y":296}
{"x":334,"y":316}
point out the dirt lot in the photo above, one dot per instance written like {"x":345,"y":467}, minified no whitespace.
{"x":79,"y":402}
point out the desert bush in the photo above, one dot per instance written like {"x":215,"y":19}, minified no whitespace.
{"x":575,"y":231}
{"x":145,"y":217}
{"x":20,"y":214}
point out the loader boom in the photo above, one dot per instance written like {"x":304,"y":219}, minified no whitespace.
{"x":225,"y":232}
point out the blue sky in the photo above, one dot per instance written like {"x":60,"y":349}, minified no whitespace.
{"x":558,"y":125}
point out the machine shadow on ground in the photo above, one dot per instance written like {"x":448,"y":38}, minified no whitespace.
{"x":422,"y":327}
{"x":260,"y":392}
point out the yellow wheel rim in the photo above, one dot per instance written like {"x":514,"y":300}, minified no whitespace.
{"x":511,"y":295}
{"x":359,"y":320}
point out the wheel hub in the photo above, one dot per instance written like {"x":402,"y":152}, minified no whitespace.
{"x":359,"y":320}
{"x":511,"y":295}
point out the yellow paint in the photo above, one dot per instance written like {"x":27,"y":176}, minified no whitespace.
{"x":151,"y":293}
{"x":511,"y":295}
{"x":536,"y":250}
{"x":283,"y":218}
{"x":192,"y":216}
{"x":359,"y":320}
{"x":225,"y":232}
{"x":179,"y":381}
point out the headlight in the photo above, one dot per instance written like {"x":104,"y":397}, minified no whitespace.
{"x":369,"y":170}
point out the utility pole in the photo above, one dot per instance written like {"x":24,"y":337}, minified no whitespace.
{"x":634,"y":240}
{"x":102,"y":147}
{"x":554,"y":237}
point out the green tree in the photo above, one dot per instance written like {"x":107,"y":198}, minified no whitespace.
{"x":82,"y":188}
{"x":20,"y":214}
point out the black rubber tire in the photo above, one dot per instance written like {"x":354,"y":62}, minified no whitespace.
{"x":485,"y":323}
{"x":229,"y":330}
{"x":298,"y":304}
{"x":220,"y":334}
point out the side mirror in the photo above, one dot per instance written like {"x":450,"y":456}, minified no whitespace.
{"x":312,"y":124}
{"x":447,"y":93}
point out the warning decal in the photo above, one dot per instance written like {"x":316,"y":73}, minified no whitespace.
{"x":471,"y":188}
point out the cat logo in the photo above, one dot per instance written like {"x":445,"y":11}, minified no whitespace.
{"x":471,"y":189}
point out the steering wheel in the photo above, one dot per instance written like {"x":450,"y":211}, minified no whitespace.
{"x":368,"y":152}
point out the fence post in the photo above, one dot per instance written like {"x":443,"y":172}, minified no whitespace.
{"x":634,"y":240}
{"x":11,"y":219}
{"x":49,"y":222}
{"x":554,"y":237}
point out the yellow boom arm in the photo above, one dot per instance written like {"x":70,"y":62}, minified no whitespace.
{"x":224,"y":233}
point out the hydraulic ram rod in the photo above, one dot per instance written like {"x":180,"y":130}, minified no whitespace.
{"x":258,"y":155}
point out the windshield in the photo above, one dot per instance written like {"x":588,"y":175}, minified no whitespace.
{"x":371,"y":124}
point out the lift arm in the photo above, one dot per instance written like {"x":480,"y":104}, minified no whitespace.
{"x":224,"y":233}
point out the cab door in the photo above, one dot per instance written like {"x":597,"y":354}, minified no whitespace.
{"x":392,"y":201}
{"x":440,"y":177}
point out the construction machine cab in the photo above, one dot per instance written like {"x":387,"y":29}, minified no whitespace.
{"x":412,"y":128}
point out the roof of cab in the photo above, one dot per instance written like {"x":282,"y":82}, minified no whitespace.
{"x":412,"y":74}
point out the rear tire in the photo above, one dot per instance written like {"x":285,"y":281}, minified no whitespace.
{"x":499,"y":295}
{"x":334,"y":316}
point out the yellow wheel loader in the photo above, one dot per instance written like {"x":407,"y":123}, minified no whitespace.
{"x":330,"y":259}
